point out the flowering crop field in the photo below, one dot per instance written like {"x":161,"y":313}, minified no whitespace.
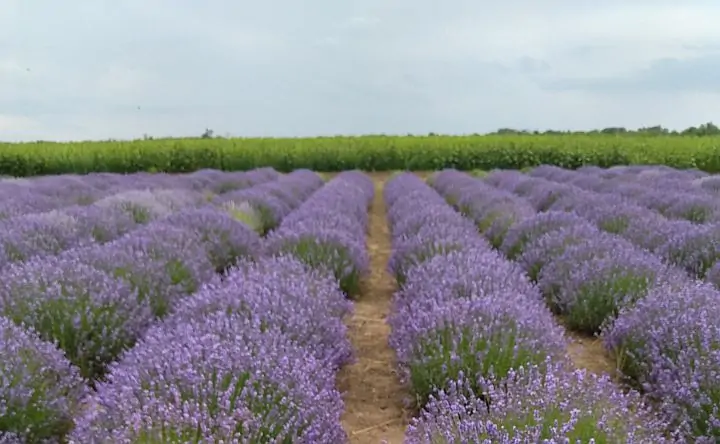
{"x":549,"y":306}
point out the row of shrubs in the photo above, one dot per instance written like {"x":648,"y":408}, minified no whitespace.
{"x":126,"y":320}
{"x":615,"y":265}
{"x":369,"y":153}
{"x":478,"y":349}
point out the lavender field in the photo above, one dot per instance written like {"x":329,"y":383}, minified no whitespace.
{"x":260,"y":307}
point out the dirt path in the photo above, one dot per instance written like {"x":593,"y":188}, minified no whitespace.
{"x":589,"y":353}
{"x":373,"y":394}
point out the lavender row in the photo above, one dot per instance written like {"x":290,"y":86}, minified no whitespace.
{"x":476,"y":345}
{"x":585,"y":274}
{"x":665,"y":334}
{"x":51,"y":232}
{"x":672,"y":196}
{"x":276,"y":336}
{"x":266,"y":205}
{"x":249,"y":359}
{"x":693,"y":247}
{"x":95,"y":302}
{"x":329,"y":230}
{"x":47,"y":193}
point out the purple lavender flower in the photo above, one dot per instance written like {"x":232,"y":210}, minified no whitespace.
{"x":40,"y":391}
{"x":460,"y":326}
{"x":668,"y":344}
{"x":284,"y":294}
{"x":493,"y":210}
{"x":143,"y":206}
{"x":275,"y":200}
{"x":536,"y":405}
{"x":545,"y":249}
{"x":218,"y":379}
{"x":88,"y":314}
{"x":696,"y":249}
{"x":104,"y":224}
{"x":590,"y":282}
{"x":328,"y":230}
{"x":226,"y":239}
{"x":40,"y":234}
{"x":521,"y":234}
{"x":161,"y":262}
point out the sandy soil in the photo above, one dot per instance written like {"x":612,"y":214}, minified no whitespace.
{"x":374,"y":408}
{"x":589,"y":353}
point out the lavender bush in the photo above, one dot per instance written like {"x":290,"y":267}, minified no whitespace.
{"x":535,"y":405}
{"x":328,"y":230}
{"x":284,"y":294}
{"x":696,"y":250}
{"x":518,"y":236}
{"x":218,"y":379}
{"x":160,"y":262}
{"x":544,"y":250}
{"x":591,"y":281}
{"x":89,"y":315}
{"x":142,"y":205}
{"x":225,"y":239}
{"x":40,"y":391}
{"x":455,"y":316}
{"x":668,"y":344}
{"x":274,"y":200}
{"x":40,"y":234}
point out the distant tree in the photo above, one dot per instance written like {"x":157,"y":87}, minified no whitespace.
{"x":208,"y":134}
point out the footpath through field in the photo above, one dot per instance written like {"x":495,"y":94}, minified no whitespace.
{"x":373,"y":394}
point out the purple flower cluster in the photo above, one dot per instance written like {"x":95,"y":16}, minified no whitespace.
{"x":492,"y":211}
{"x":680,"y":242}
{"x":468,"y":312}
{"x":328,"y":230}
{"x":477,"y":346}
{"x":668,"y":344}
{"x":225,"y":238}
{"x":91,"y":316}
{"x":161,"y":262}
{"x":249,"y":359}
{"x":423,"y":225}
{"x":40,"y":234}
{"x":672,"y":193}
{"x":665,"y":339}
{"x":40,"y":391}
{"x":284,"y":294}
{"x":73,"y":221}
{"x":273,"y":201}
{"x":590,"y":282}
{"x":534,"y":404}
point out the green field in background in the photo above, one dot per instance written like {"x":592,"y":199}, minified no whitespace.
{"x":370,"y":153}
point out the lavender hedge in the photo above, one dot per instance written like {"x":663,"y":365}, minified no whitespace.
{"x":665,"y":339}
{"x":284,"y":294}
{"x":536,"y":404}
{"x":40,"y":391}
{"x":667,"y":345}
{"x":247,"y":359}
{"x":272,"y":201}
{"x":91,"y":316}
{"x":328,"y":230}
{"x":221,"y":378}
{"x":478,"y":348}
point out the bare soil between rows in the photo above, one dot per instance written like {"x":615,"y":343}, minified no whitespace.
{"x":373,"y":395}
{"x":374,"y":398}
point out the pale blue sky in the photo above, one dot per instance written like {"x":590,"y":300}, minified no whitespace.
{"x":88,"y":69}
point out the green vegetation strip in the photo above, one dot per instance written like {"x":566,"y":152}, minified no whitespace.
{"x":369,"y":153}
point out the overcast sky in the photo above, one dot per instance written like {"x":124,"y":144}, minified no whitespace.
{"x":89,"y":69}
